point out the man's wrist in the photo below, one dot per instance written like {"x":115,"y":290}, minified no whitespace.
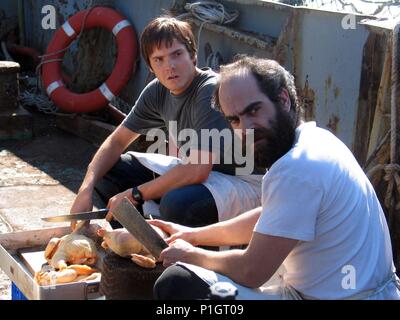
{"x":87,"y":188}
{"x":137,"y":195}
{"x":195,"y":237}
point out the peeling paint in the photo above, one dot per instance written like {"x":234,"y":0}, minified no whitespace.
{"x":336,"y":92}
{"x":328,"y":82}
{"x":327,"y":86}
{"x":371,"y":73}
{"x":333,"y":123}
{"x":281,"y":49}
{"x":307,"y":99}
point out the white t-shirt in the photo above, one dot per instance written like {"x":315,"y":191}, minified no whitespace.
{"x":318,"y":194}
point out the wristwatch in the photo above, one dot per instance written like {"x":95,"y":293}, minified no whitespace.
{"x":137,"y":195}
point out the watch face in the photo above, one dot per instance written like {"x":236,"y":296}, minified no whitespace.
{"x":136,"y":195}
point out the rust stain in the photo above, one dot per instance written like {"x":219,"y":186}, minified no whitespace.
{"x":296,"y":45}
{"x":333,"y":123}
{"x":306,"y":97}
{"x":328,"y":81}
{"x":336,"y":92}
{"x":282,"y":45}
{"x":328,"y":84}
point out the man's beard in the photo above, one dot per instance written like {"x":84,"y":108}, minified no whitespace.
{"x":276,"y":141}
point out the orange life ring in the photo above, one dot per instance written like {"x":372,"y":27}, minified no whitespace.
{"x":127,"y":51}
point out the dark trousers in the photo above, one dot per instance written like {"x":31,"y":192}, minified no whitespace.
{"x":192,"y":205}
{"x":179,"y":283}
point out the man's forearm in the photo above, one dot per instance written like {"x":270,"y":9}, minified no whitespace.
{"x":177,"y":177}
{"x":231,"y":263}
{"x":231,"y":232}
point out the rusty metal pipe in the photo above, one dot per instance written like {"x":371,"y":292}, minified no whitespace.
{"x":26,"y":51}
{"x":115,"y":113}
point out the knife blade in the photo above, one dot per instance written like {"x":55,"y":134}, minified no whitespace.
{"x":99,"y":214}
{"x":133,"y":221}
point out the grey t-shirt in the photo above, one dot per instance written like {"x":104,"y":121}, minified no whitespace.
{"x":156,"y":107}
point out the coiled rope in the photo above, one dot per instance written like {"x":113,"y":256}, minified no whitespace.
{"x":209,"y":12}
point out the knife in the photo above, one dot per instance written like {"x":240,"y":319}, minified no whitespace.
{"x":135,"y":223}
{"x":99,"y":214}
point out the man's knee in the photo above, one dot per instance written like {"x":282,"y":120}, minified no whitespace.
{"x":126,"y":173}
{"x":192,"y":206}
{"x":173,"y":207}
{"x":178,"y":283}
{"x":163,"y":287}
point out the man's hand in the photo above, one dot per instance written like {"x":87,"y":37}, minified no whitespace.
{"x":83,"y":202}
{"x":179,"y":250}
{"x":114,"y":201}
{"x":176,"y":231}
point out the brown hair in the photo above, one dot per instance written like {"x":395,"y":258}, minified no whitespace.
{"x":163,"y":30}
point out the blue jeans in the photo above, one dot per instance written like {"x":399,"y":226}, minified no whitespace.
{"x":191,"y":205}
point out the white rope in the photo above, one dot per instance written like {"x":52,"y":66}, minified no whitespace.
{"x":38,"y":73}
{"x":210,"y":12}
{"x":38,"y":100}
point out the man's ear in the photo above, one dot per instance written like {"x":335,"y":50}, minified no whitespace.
{"x":285,"y":100}
{"x":194,"y":59}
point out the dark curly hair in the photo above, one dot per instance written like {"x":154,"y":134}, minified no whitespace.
{"x":271,"y":78}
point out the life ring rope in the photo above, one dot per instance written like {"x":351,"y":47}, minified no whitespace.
{"x":67,"y":28}
{"x":62,"y":40}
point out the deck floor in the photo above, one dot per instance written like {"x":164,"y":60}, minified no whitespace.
{"x":39,"y":177}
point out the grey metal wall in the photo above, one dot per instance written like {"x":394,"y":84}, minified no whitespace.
{"x":313,"y":45}
{"x":140,"y":12}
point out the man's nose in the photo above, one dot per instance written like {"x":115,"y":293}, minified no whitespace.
{"x":246,"y":123}
{"x":171,"y":63}
{"x":247,"y":127}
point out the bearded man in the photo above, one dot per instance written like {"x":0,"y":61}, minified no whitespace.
{"x":319,"y":215}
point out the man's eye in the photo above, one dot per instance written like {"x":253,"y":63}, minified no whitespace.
{"x":253,"y":111}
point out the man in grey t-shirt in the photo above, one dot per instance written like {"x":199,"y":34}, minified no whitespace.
{"x":182,"y":93}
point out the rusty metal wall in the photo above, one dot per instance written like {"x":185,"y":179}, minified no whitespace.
{"x":325,"y":58}
{"x":330,"y":58}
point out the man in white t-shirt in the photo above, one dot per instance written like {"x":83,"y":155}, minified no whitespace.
{"x":320,"y":216}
